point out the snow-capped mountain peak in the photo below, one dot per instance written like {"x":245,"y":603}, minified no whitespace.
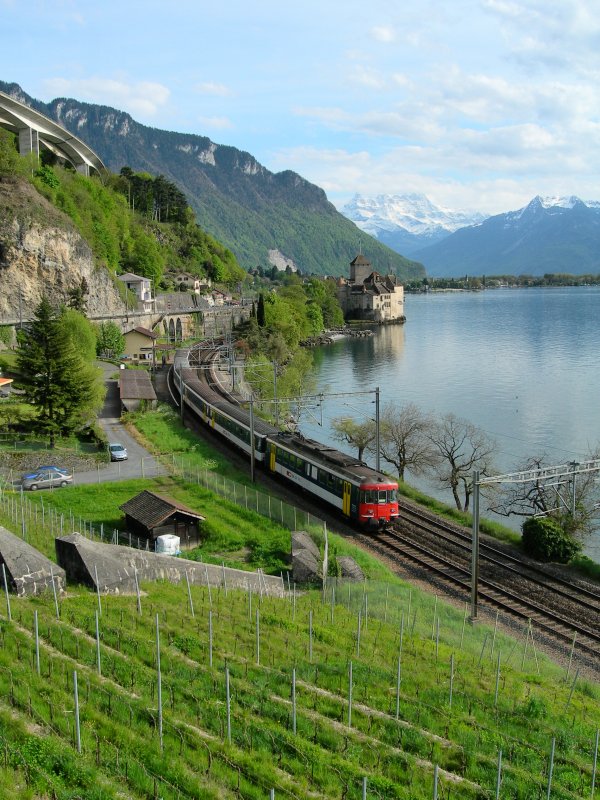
{"x":560,"y":202}
{"x":414,"y":213}
{"x":406,"y":222}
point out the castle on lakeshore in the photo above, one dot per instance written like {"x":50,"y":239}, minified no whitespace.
{"x":369,"y":296}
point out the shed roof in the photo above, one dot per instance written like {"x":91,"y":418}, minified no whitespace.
{"x":151,"y":509}
{"x":135,"y":384}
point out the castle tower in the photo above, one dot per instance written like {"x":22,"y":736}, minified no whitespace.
{"x":360,"y":269}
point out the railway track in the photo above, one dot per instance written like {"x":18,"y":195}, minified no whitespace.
{"x":460,"y":542}
{"x":559,"y":608}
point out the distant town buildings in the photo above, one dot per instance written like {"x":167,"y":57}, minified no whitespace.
{"x":370,"y":296}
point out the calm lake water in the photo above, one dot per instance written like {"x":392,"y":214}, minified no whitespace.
{"x":522,"y":364}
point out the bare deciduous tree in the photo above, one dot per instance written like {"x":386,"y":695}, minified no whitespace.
{"x":461,"y":448}
{"x":553,"y":497}
{"x":404,"y":439}
{"x":356,"y":434}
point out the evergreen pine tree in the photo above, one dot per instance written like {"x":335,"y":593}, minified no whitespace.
{"x":78,"y":296}
{"x":260,"y":311}
{"x":56,"y":379}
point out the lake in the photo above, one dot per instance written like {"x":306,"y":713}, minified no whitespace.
{"x":522,"y":364}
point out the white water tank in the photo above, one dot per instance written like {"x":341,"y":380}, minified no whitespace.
{"x":168,"y":544}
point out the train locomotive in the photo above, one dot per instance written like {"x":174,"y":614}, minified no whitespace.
{"x":357,"y":491}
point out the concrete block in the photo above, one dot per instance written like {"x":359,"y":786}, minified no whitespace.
{"x":349,"y":569}
{"x":307,"y":564}
{"x":116,"y":568}
{"x":28,"y":572}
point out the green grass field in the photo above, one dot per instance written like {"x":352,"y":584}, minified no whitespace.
{"x":394,"y":739}
{"x":431,"y":697}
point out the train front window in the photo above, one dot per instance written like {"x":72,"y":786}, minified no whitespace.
{"x":379,"y":496}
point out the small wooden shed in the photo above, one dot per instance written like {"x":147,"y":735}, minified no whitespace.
{"x":149,"y":515}
{"x":136,"y":387}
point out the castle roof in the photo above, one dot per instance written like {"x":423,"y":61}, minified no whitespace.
{"x":360,"y":261}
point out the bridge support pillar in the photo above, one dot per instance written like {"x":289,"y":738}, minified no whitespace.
{"x":84,"y":169}
{"x":29,"y":142}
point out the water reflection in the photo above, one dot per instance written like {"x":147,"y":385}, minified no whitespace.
{"x":520,"y":364}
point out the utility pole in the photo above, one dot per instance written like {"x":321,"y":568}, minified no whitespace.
{"x":252,"y":440}
{"x":377,"y":455}
{"x":275,"y":365}
{"x":574,"y":465}
{"x":475,"y":548}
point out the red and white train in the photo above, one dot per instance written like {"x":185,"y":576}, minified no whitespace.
{"x":357,"y":491}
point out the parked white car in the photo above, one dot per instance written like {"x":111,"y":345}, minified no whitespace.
{"x":117,"y":452}
{"x":46,"y":479}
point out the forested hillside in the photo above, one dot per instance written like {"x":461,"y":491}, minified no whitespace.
{"x":237,"y":200}
{"x":132,"y":222}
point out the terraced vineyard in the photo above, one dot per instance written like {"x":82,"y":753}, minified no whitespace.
{"x":395,"y":696}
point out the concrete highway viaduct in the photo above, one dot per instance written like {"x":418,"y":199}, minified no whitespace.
{"x":35,"y":130}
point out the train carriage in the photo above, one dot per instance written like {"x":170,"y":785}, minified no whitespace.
{"x":349,"y":485}
{"x":352,"y":487}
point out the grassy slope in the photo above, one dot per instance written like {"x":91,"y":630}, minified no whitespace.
{"x":326,"y":758}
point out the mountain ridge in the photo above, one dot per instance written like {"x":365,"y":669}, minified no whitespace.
{"x":406,"y":222}
{"x":235,"y":198}
{"x":548,"y":235}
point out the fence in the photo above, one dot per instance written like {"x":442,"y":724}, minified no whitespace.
{"x":31,"y":441}
{"x":147,"y":467}
{"x":25,"y":514}
{"x":247,"y":497}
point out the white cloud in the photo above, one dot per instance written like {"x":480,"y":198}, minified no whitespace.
{"x":369,"y":77}
{"x":492,"y":170}
{"x":411,"y":121}
{"x":383,"y":33}
{"x":143,"y":97}
{"x":402,"y":80}
{"x":214,"y":89}
{"x":549,"y":34}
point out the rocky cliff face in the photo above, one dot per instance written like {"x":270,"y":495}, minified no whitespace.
{"x":41,"y":252}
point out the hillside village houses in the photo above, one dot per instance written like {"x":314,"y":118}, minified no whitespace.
{"x":139,"y":344}
{"x":141,"y":287}
{"x":370,"y":296}
{"x":192,"y":283}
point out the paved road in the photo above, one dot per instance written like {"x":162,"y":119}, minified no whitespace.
{"x":140,"y":462}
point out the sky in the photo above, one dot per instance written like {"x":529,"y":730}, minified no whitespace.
{"x":479,"y":104}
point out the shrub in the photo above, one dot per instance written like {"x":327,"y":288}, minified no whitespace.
{"x":545,"y":540}
{"x":47,"y":175}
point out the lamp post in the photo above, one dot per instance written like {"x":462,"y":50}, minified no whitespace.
{"x":377,"y":445}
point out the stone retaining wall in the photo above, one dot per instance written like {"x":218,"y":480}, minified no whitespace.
{"x":112,"y":568}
